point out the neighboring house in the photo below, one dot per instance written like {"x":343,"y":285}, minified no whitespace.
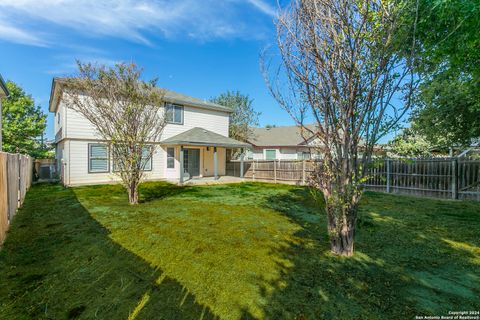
{"x":197,"y":132}
{"x":3,"y":94}
{"x":281,"y":143}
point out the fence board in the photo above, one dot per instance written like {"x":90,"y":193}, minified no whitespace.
{"x":445,"y":178}
{"x":15,"y":180}
{"x":3,"y":197}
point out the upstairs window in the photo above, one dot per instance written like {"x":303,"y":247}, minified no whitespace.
{"x":98,"y":160}
{"x":174,"y":113}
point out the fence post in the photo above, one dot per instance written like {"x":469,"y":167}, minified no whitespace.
{"x":388,"y":175}
{"x":241,"y":165}
{"x":303,"y":171}
{"x":19,"y":190}
{"x":275,"y":171}
{"x":253,"y":170}
{"x":455,"y":178}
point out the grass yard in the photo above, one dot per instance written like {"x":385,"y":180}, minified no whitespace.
{"x":235,"y":251}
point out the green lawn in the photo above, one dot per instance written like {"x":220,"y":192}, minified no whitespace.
{"x":233,"y":251}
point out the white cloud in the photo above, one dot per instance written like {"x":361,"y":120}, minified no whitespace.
{"x":14,"y":34}
{"x":137,"y":21}
{"x":264,"y":7}
{"x":67,"y":66}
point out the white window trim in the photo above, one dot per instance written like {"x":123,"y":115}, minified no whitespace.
{"x":90,"y":158}
{"x":265,"y":153}
{"x":174,"y":151}
{"x":174,"y":107}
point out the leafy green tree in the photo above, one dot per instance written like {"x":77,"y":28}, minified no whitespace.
{"x":448,"y":102}
{"x":410,"y":144}
{"x":125,"y":110}
{"x":243,"y":118}
{"x":22,"y":122}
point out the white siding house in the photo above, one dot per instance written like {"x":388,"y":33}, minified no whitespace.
{"x":198,"y":134}
{"x":281,"y":143}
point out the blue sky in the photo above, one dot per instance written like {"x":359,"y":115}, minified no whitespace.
{"x":200,"y":48}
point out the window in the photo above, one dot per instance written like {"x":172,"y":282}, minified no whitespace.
{"x":270,"y":154}
{"x":146,"y":160}
{"x":170,"y":158}
{"x":174,"y":113}
{"x":98,"y":160}
{"x":303,"y":155}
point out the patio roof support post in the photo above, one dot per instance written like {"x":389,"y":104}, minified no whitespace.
{"x":181,"y":165}
{"x":242,"y":155}
{"x":215,"y":163}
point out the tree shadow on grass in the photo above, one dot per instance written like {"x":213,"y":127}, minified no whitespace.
{"x":155,"y":191}
{"x":403,"y":265}
{"x":59,"y":263}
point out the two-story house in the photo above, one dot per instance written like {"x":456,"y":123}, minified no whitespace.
{"x":193,"y":143}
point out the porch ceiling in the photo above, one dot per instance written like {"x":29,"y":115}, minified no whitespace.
{"x":203,"y":137}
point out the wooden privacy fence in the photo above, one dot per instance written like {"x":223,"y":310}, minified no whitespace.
{"x":449,"y":178}
{"x":282,"y":171}
{"x":15,"y":180}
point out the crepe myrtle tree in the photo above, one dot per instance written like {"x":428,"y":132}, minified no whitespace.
{"x":338,"y":66}
{"x":125,"y":111}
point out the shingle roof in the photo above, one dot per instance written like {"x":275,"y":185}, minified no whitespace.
{"x":284,"y":136}
{"x":170,"y":96}
{"x":3,"y":88}
{"x":203,"y":137}
{"x":175,"y":97}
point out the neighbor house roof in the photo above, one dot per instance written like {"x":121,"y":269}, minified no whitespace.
{"x":3,"y":88}
{"x":58,"y":85}
{"x":203,"y":137}
{"x":285,"y":136}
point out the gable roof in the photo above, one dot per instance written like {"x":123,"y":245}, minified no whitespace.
{"x":3,"y":88}
{"x":203,"y":137}
{"x":285,"y":136}
{"x":58,"y":84}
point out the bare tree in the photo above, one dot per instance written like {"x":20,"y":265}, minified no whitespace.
{"x":126,"y":112}
{"x":340,"y":69}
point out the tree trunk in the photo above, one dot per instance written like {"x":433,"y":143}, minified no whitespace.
{"x":133,"y":193}
{"x":342,"y":243}
{"x":341,"y":228}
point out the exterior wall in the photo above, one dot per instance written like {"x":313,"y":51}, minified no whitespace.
{"x":172,"y":174}
{"x":207,"y":157}
{"x":206,"y":162}
{"x":77,"y":166}
{"x":74,"y":133}
{"x":215,"y":121}
{"x":79,"y":127}
{"x":58,"y":158}
{"x":282,"y":153}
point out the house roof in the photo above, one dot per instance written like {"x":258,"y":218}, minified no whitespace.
{"x":3,"y":88}
{"x":170,"y":96}
{"x":203,"y":137}
{"x":284,"y":136}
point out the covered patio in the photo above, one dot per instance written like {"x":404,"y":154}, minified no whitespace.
{"x":202,"y":154}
